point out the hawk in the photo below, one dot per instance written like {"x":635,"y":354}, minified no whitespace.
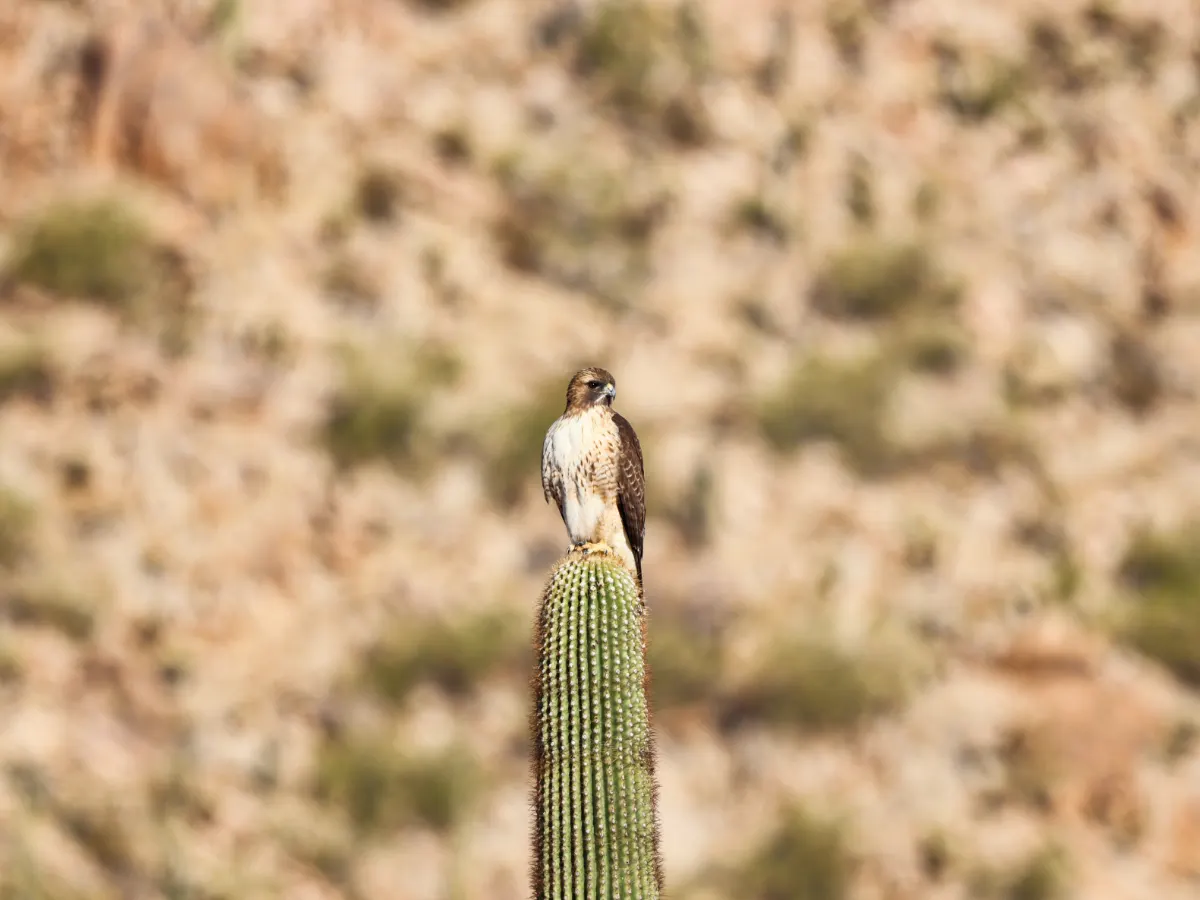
{"x":592,"y":469}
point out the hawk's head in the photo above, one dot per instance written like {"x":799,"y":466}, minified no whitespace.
{"x":590,"y":387}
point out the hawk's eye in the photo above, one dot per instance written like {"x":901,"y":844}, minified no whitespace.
{"x":594,"y":385}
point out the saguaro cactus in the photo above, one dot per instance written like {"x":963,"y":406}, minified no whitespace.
{"x":596,"y":830}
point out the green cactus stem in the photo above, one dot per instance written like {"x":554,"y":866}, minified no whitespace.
{"x":596,"y":827}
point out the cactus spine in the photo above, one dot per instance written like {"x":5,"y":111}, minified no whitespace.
{"x":595,"y":829}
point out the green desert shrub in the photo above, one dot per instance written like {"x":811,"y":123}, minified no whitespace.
{"x":860,"y":192}
{"x":579,"y":220}
{"x":685,"y":663}
{"x":1181,"y":740}
{"x":759,"y":215}
{"x":876,"y":279}
{"x":375,"y":414}
{"x":517,"y":449}
{"x":620,"y":46}
{"x":807,"y":857}
{"x":847,"y":24}
{"x":936,"y":854}
{"x":976,"y":88}
{"x":933,"y":346}
{"x":378,"y":195}
{"x":105,"y":833}
{"x":455,"y":654}
{"x":351,"y":283}
{"x":374,"y":196}
{"x":223,"y":17}
{"x":845,"y":401}
{"x":985,"y":451}
{"x":1042,"y":875}
{"x":645,"y":62}
{"x":453,"y":145}
{"x":1031,"y":769}
{"x":380,"y":788}
{"x":1135,"y":373}
{"x":1161,"y":573}
{"x":440,"y":6}
{"x":692,"y":510}
{"x":320,"y":844}
{"x":26,"y":371}
{"x":811,"y":684}
{"x":11,"y":669}
{"x":52,"y":606}
{"x":48,"y":604}
{"x":92,"y":249}
{"x":378,"y":409}
{"x":16,"y":527}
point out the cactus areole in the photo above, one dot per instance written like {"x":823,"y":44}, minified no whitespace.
{"x":595,"y":830}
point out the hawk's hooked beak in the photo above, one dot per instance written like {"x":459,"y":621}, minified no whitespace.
{"x":610,"y":391}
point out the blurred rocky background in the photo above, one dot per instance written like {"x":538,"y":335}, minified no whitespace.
{"x":902,"y":297}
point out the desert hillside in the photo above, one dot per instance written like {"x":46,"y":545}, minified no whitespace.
{"x":902,"y":297}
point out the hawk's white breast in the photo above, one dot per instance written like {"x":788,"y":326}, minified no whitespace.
{"x":570,"y":446}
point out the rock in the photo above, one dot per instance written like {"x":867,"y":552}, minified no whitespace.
{"x":1056,"y":358}
{"x":161,"y":104}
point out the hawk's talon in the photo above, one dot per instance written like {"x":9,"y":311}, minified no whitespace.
{"x":589,"y":547}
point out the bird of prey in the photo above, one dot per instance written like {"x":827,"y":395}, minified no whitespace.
{"x":592,"y":469}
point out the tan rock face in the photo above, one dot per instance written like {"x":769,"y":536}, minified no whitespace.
{"x":159,"y":104}
{"x":902,"y":302}
{"x":1184,"y":852}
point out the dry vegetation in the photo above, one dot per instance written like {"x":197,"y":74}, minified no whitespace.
{"x":902,"y":297}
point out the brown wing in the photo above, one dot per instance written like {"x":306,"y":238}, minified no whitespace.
{"x":631,"y":488}
{"x":552,"y":476}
